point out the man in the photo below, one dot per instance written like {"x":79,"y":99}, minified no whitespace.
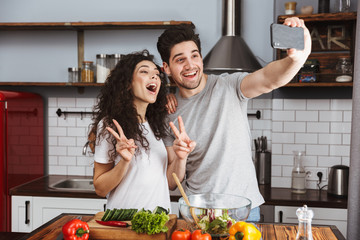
{"x":214,"y":110}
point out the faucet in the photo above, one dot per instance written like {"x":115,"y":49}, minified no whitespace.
{"x":85,"y":147}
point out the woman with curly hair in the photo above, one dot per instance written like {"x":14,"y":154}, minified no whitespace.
{"x":132,"y":166}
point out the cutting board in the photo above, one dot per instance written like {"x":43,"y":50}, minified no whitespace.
{"x":98,"y":231}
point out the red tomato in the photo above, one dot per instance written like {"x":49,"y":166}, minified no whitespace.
{"x":181,"y":235}
{"x":199,"y":235}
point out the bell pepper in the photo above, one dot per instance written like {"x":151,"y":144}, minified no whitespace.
{"x":76,"y":230}
{"x":244,"y":231}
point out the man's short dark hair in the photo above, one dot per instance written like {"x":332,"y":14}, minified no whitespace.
{"x":174,"y":35}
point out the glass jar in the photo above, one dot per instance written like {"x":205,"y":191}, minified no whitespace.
{"x":344,"y":70}
{"x":74,"y":74}
{"x":298,"y":174}
{"x":87,"y":71}
{"x":114,"y":59}
{"x":305,"y":217}
{"x":342,"y":5}
{"x":102,"y":68}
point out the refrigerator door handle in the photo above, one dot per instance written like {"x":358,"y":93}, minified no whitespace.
{"x":27,"y":220}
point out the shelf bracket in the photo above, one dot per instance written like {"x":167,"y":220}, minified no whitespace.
{"x":80,"y":44}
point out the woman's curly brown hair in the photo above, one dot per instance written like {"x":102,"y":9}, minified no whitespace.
{"x":115,"y":101}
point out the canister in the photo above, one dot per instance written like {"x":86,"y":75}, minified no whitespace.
{"x":102,"y":67}
{"x":87,"y":71}
{"x":74,"y":74}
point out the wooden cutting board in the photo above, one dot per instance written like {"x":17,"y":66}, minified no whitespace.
{"x":98,"y":231}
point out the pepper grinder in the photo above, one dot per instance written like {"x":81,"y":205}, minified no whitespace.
{"x":305,"y":216}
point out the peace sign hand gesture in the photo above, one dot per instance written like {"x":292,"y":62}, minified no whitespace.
{"x":182,"y":145}
{"x":124,"y":147}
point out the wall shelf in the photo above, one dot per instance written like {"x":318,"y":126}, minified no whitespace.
{"x":333,"y":37}
{"x":80,"y":27}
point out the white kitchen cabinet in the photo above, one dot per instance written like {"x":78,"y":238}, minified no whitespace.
{"x":21,"y":214}
{"x":322,"y":216}
{"x":43,"y":209}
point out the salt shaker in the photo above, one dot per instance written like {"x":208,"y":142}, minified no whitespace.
{"x":305,"y":217}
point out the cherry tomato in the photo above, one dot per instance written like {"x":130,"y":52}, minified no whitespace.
{"x":181,"y":235}
{"x":200,"y":235}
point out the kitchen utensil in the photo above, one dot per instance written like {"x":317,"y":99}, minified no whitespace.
{"x":183,"y":194}
{"x":214,"y":206}
{"x":263,"y":167}
{"x":338,"y":180}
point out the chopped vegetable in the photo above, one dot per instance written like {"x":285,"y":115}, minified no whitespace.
{"x":181,"y":234}
{"x":244,"y":231}
{"x":200,"y":235}
{"x":75,"y":230}
{"x":113,"y":223}
{"x":159,"y":209}
{"x":145,"y":221}
{"x":118,"y":214}
{"x":216,"y":221}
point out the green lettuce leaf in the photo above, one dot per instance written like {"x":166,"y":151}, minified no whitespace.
{"x":151,"y":223}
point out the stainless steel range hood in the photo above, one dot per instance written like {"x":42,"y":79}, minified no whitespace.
{"x":231,"y":53}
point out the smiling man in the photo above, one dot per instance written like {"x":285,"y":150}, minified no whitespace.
{"x":214,"y":110}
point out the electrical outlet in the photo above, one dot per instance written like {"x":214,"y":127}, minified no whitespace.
{"x":311,"y":173}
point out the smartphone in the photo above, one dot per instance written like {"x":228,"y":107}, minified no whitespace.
{"x":285,"y":37}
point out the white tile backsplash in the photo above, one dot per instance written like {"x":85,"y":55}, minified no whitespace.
{"x":320,"y":127}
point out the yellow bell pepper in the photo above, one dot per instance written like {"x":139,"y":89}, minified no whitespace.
{"x":244,"y":231}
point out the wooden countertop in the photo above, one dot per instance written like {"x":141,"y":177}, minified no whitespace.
{"x":273,"y":196}
{"x":269,"y":231}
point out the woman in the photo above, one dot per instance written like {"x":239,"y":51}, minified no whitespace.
{"x":131,"y":162}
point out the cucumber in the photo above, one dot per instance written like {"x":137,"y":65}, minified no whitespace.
{"x":109,"y":216}
{"x":116,"y":214}
{"x":159,"y":210}
{"x":105,"y":214}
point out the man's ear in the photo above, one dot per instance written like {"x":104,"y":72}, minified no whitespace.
{"x":166,"y":68}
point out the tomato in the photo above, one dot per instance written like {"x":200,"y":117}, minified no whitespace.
{"x":181,"y":235}
{"x":200,"y":235}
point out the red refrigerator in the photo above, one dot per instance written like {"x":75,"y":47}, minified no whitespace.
{"x":21,"y":145}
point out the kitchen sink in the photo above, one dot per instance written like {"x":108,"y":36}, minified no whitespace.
{"x":74,"y":185}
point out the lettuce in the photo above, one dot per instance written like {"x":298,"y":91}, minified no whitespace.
{"x":151,"y":223}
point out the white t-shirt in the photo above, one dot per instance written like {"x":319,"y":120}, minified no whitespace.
{"x":145,"y":184}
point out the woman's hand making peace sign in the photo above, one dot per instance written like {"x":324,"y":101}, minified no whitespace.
{"x":182,"y":145}
{"x":125,"y":147}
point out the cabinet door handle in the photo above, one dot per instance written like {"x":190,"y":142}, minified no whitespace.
{"x":104,"y":207}
{"x":280,"y":216}
{"x":27,"y":220}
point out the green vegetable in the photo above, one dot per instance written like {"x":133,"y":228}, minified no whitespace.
{"x":145,"y":221}
{"x":216,"y":221}
{"x":159,"y":210}
{"x":118,"y":214}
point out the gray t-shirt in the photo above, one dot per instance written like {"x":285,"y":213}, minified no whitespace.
{"x":216,"y":119}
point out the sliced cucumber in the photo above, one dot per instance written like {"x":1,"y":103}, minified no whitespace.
{"x":105,"y":214}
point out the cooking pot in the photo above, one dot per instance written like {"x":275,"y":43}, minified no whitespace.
{"x":338,"y":180}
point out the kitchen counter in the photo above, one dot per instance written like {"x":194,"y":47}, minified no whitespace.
{"x":273,"y":196}
{"x":269,"y":231}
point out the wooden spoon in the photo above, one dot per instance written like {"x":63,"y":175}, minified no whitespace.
{"x":183,"y":194}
